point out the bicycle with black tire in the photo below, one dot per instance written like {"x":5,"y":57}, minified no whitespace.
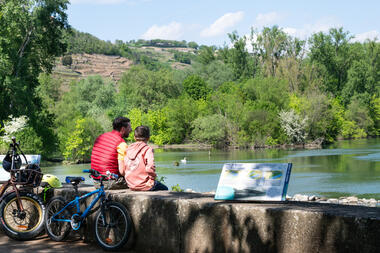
{"x":21,"y":210}
{"x":112,"y":226}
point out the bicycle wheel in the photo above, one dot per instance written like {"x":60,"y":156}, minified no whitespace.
{"x":112,"y":229}
{"x":57,"y":230}
{"x":26,"y":224}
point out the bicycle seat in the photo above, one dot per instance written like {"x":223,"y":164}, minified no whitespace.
{"x":74,"y":180}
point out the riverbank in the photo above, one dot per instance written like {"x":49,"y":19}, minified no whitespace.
{"x":317,"y":144}
{"x":348,"y":200}
{"x":202,"y":146}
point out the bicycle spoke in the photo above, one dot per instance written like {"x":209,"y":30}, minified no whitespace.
{"x":30,"y":215}
{"x":112,"y":226}
{"x":57,"y":230}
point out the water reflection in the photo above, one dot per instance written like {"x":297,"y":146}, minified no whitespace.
{"x":345,"y":168}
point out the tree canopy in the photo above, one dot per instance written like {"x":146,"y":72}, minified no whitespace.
{"x":31,"y":36}
{"x":266,"y":89}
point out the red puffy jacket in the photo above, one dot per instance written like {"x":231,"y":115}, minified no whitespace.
{"x":104,"y":153}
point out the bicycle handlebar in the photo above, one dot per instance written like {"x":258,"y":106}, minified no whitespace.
{"x":112,"y":175}
{"x":96,"y":173}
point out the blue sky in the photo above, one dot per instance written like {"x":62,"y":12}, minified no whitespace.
{"x":208,"y":21}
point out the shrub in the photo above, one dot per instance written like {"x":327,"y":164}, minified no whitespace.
{"x":67,"y":60}
{"x":210,"y":129}
{"x":294,"y":126}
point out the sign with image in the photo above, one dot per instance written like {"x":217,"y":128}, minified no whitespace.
{"x":253,"y":181}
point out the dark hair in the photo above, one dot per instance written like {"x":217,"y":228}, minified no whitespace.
{"x":142,"y":133}
{"x":120,"y":122}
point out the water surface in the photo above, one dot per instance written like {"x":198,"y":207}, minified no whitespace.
{"x":342,"y":169}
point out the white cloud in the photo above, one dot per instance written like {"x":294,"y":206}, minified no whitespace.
{"x":291,"y":31}
{"x":221,"y":25}
{"x":248,"y":42}
{"x":301,"y":33}
{"x":371,"y":35}
{"x":267,"y":19}
{"x":172,"y":31}
{"x":322,"y":25}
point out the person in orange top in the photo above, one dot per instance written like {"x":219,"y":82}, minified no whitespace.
{"x":139,"y":169}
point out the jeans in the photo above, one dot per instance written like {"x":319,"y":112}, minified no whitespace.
{"x":158,"y":187}
{"x":112,"y":184}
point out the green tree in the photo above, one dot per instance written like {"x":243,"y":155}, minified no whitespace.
{"x":363,"y":76}
{"x":292,"y":66}
{"x":48,"y":91}
{"x":358,"y":112}
{"x":137,"y":118}
{"x":375,"y":112}
{"x":323,"y":122}
{"x":192,"y":44}
{"x":228,"y":101}
{"x":271,"y":45}
{"x":195,"y":87}
{"x":265,"y":98}
{"x":239,"y":58}
{"x":79,"y":144}
{"x":67,"y":60}
{"x":158,"y":123}
{"x":210,"y":129}
{"x":331,"y":53}
{"x":215,"y":73}
{"x":91,"y":97}
{"x":206,"y":54}
{"x":146,"y":89}
{"x":180,"y":114}
{"x":30,"y":37}
{"x":182,"y":57}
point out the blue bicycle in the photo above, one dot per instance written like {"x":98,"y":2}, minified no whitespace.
{"x":112,"y":224}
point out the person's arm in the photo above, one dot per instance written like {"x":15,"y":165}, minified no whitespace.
{"x":121,"y":152}
{"x":150,"y":168}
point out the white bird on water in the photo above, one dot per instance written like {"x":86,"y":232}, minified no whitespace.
{"x":183,"y":160}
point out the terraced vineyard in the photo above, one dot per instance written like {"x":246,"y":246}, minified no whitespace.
{"x":110,"y":67}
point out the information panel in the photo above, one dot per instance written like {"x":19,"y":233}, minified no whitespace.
{"x":253,"y":181}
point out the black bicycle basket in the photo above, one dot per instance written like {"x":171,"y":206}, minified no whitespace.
{"x":31,"y":175}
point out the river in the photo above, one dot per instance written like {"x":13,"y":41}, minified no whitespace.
{"x":345,"y":168}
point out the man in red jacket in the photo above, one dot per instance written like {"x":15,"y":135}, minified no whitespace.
{"x":109,"y":150}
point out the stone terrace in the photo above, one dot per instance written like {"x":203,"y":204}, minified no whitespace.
{"x":193,"y":222}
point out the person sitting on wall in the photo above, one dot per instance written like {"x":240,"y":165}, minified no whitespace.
{"x":139,"y":169}
{"x":109,"y":151}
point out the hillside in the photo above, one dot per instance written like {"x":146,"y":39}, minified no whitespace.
{"x":83,"y":65}
{"x":165,"y":55}
{"x":112,"y":67}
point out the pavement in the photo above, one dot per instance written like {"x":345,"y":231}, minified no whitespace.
{"x":43,"y":244}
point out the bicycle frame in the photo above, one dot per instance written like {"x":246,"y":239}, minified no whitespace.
{"x":76,"y":203}
{"x":11,"y":182}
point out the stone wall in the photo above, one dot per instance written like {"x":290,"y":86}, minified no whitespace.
{"x":190,"y":222}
